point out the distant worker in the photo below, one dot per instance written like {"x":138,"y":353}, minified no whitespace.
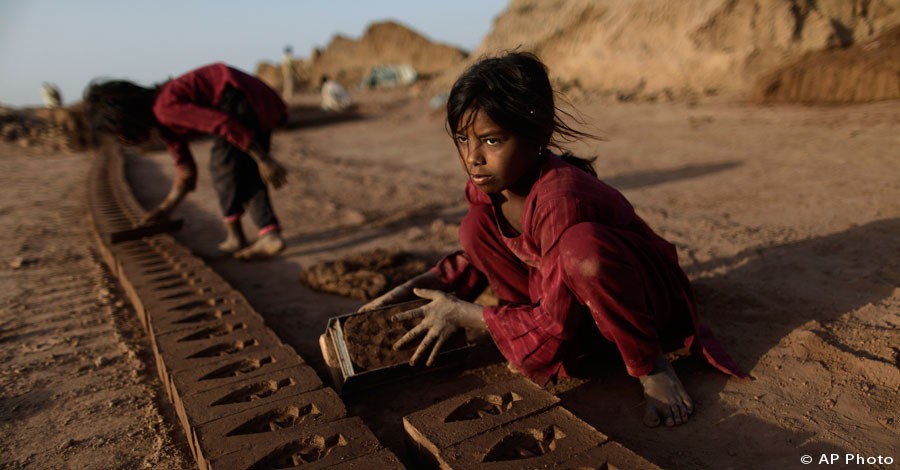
{"x":287,"y":73}
{"x":334,"y":96}
{"x":51,"y":95}
{"x":238,"y":109}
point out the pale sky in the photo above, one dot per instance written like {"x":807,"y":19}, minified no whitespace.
{"x":71,"y":42}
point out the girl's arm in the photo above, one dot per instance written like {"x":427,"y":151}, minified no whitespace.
{"x":404,"y":292}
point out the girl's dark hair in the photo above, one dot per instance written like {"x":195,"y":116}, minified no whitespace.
{"x":121,"y":108}
{"x":515,"y":92}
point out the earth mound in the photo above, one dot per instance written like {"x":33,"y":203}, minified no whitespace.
{"x":651,"y":49}
{"x":383,"y":43}
{"x":863,"y":72}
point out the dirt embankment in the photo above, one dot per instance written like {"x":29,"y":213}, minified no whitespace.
{"x":658,"y":49}
{"x":348,"y":60}
{"x":863,"y":72}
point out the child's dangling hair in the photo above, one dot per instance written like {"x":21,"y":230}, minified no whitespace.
{"x":515,"y":92}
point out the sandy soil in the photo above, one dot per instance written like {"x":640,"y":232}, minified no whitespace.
{"x":786,"y":219}
{"x":77,"y":385}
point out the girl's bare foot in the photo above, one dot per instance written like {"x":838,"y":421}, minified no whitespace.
{"x":234,"y":237}
{"x":267,"y":246}
{"x":666,"y":400}
{"x":232,"y":244}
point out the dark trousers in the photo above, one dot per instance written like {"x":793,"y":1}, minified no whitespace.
{"x":235,"y":174}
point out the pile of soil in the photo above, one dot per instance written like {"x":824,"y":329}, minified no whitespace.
{"x":348,"y":61}
{"x":370,"y":337}
{"x":658,"y":49}
{"x":864,"y":72}
{"x":365,"y":275}
{"x":49,"y":129}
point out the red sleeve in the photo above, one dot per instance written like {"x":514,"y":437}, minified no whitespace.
{"x":456,"y":271}
{"x":531,"y":336}
{"x":182,"y":114}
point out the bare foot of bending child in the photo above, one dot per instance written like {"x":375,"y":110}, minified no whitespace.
{"x":266,"y":246}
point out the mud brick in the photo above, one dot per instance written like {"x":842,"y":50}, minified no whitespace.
{"x":172,"y":297}
{"x":173,"y":356}
{"x":172,"y":313}
{"x":329,"y":445}
{"x":180,"y":355}
{"x":610,"y":455}
{"x":289,"y":415}
{"x":171,"y":249}
{"x":136,"y":302}
{"x":235,"y":397}
{"x":211,"y":320}
{"x":159,"y":298}
{"x":184,"y":270}
{"x":156,"y":264}
{"x":542,"y":440}
{"x":144,"y":272}
{"x":382,"y":460}
{"x":240,"y":367}
{"x":174,"y":278}
{"x":219,"y":298}
{"x":130,"y":248}
{"x":175,"y":346}
{"x":195,"y":409}
{"x":464,"y":416}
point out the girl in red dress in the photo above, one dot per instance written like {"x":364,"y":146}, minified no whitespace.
{"x":563,"y":251}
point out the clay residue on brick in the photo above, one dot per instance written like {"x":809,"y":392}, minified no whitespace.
{"x":525,"y":444}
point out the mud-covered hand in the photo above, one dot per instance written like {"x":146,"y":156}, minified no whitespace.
{"x":271,"y":172}
{"x":404,"y":292}
{"x":441,"y":317}
{"x":161,"y":212}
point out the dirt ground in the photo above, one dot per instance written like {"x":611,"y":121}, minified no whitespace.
{"x":786,"y":219}
{"x":78,"y":388}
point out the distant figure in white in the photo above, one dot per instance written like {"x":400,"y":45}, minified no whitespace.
{"x":51,"y":95}
{"x":334,"y":96}
{"x":287,"y":73}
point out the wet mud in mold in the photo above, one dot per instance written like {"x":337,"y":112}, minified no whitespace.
{"x":370,"y":338}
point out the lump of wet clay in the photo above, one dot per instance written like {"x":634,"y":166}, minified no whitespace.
{"x":364,"y":276}
{"x":370,"y":336}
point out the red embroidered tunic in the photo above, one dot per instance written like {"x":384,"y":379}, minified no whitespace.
{"x":584,"y":254}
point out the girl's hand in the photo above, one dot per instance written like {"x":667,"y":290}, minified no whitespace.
{"x":404,"y":292}
{"x":401,"y":293}
{"x":173,"y":199}
{"x":443,"y":316}
{"x":272,"y":173}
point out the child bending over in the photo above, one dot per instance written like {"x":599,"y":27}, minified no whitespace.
{"x":238,"y":109}
{"x":564,"y":252}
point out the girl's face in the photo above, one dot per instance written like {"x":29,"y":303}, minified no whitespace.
{"x":495,"y":160}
